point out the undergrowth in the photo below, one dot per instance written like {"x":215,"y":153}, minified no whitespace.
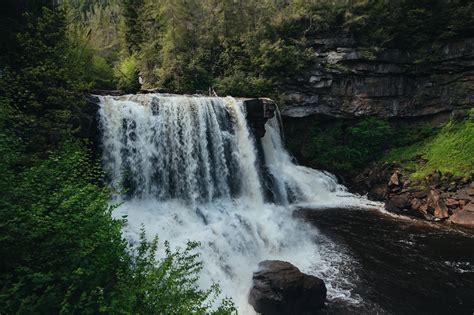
{"x":449,"y":150}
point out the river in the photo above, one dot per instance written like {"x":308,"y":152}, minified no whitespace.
{"x":400,"y":265}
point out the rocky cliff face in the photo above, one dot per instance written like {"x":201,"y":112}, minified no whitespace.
{"x":347,"y":81}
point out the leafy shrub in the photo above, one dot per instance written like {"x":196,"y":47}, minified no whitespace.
{"x":101,"y":73}
{"x":63,"y":253}
{"x":241,"y":83}
{"x":127,"y":74}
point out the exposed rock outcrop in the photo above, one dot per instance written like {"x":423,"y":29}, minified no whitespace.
{"x":437,"y":197}
{"x":349,"y":81}
{"x":259,"y":110}
{"x":281,"y":288}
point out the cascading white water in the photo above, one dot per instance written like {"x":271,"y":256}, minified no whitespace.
{"x":186,"y":167}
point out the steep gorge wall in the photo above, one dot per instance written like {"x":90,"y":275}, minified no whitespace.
{"x":348,"y":81}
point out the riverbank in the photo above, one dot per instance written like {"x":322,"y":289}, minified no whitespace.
{"x":432,"y":179}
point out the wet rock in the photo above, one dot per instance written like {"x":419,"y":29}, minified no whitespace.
{"x":454,"y":210}
{"x":463,"y":217}
{"x":436,"y":197}
{"x":394,"y":179}
{"x":436,"y":205}
{"x":407,"y":184}
{"x":374,"y":181}
{"x":416,"y":204}
{"x":464,"y":194}
{"x":423,"y":211}
{"x":458,"y":178}
{"x":451,"y":202}
{"x":259,"y":110}
{"x":469,"y":191}
{"x":420,"y":194}
{"x":281,"y":288}
{"x":401,"y":201}
{"x":469,"y":207}
{"x":452,"y":186}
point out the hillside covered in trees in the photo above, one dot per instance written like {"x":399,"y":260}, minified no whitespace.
{"x":245,"y":47}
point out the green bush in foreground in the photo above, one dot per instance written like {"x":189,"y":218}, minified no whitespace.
{"x":62,"y":252}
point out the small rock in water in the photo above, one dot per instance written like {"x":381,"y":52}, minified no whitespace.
{"x":281,"y":288}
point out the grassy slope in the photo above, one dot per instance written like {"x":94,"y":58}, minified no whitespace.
{"x":450,"y":150}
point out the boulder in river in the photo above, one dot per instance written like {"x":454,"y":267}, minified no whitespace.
{"x":281,"y":288}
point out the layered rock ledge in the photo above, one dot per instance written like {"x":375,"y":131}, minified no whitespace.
{"x":348,"y":81}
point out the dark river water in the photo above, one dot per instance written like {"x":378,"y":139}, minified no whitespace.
{"x":403,"y":266}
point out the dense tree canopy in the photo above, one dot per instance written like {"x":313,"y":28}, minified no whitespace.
{"x":248,"y":47}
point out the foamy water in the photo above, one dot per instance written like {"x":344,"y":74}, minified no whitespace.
{"x":188,"y":170}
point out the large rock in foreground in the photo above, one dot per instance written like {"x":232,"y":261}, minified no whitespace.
{"x":281,"y":288}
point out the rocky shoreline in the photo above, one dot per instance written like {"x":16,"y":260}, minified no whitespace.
{"x":439,"y":197}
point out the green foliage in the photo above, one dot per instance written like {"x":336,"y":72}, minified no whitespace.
{"x":449,"y":150}
{"x":101,"y":73}
{"x":43,"y":79}
{"x":410,"y":24}
{"x":132,"y":31}
{"x":63,"y":253}
{"x":347,"y":147}
{"x":237,"y":47}
{"x":98,"y":24}
{"x":59,"y":244}
{"x":168,"y":287}
{"x":187,"y":46}
{"x":127,"y":74}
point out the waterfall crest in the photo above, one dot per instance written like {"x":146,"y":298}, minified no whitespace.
{"x":189,"y":168}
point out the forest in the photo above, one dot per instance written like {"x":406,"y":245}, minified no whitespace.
{"x":62,"y":250}
{"x":190,"y":46}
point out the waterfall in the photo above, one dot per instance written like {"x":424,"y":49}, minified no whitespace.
{"x":187,"y":167}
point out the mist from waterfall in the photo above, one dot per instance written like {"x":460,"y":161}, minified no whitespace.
{"x":188,"y":168}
